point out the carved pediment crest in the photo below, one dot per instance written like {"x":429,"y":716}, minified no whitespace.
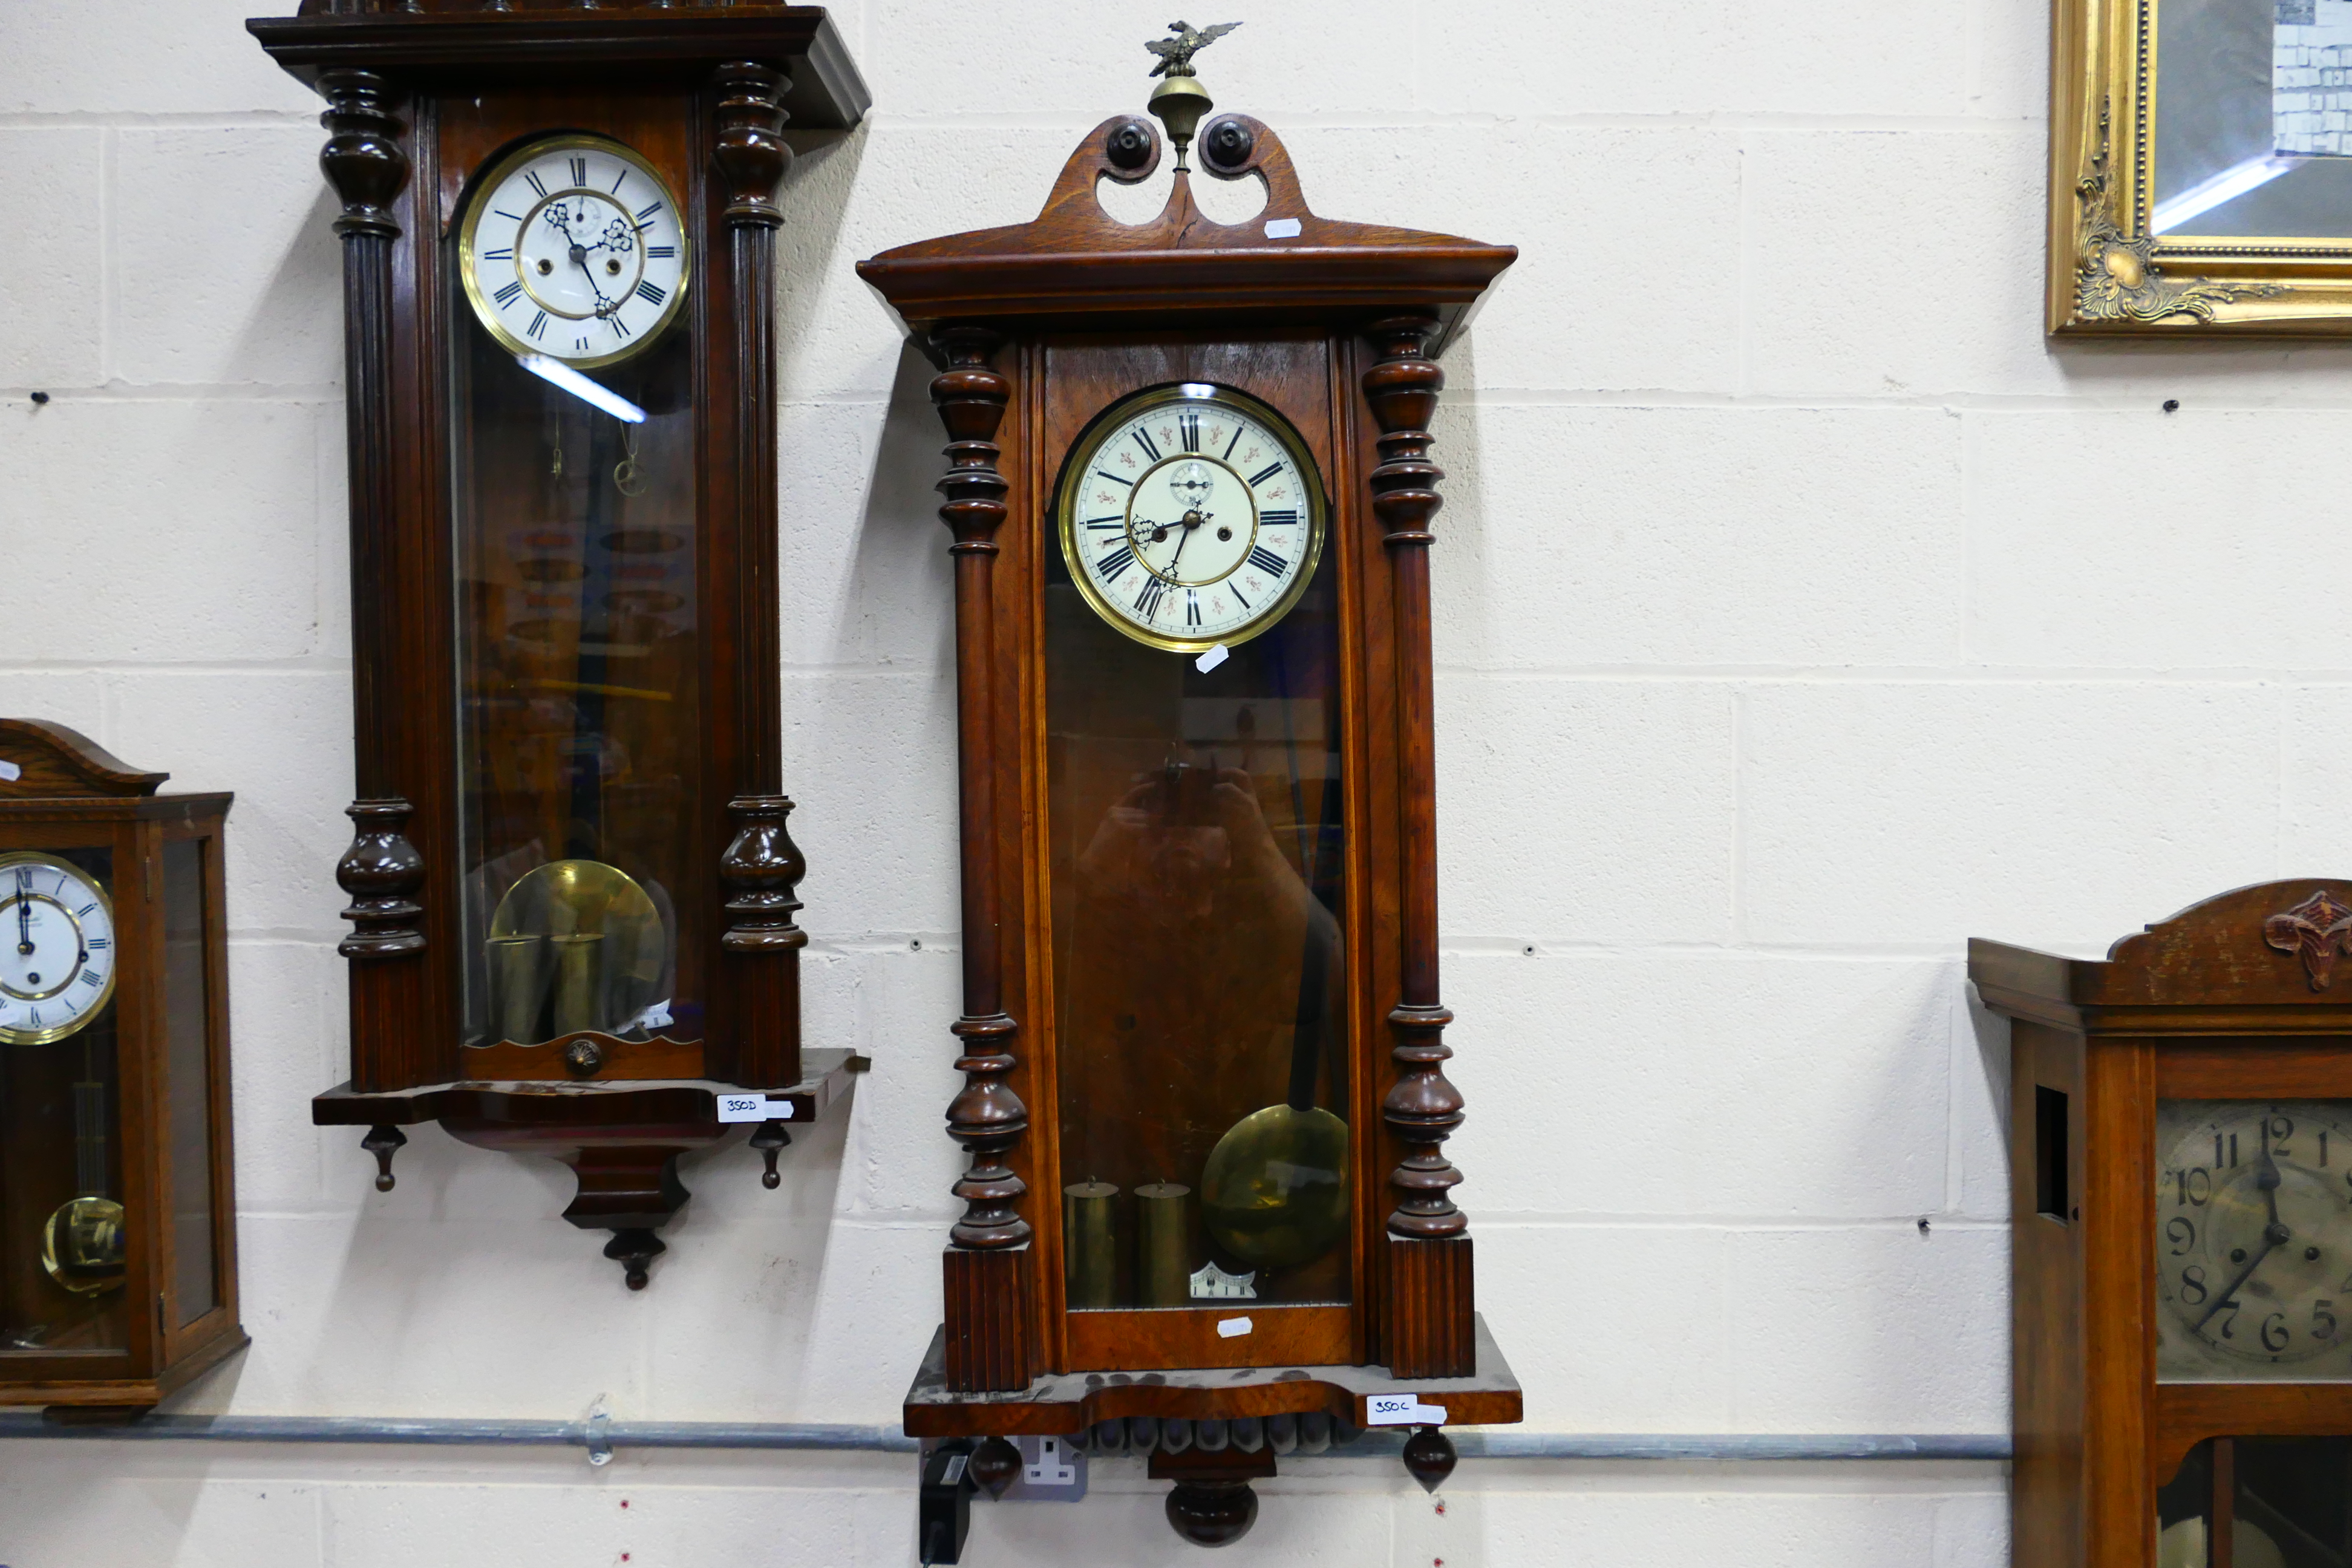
{"x":2319,"y":930}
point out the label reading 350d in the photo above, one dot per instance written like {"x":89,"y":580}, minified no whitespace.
{"x":753,"y":1107}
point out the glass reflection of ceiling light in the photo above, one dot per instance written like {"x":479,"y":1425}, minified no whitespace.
{"x":2226,"y":187}
{"x":579,"y":386}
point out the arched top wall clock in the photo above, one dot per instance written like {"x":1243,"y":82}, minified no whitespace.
{"x":1208,"y":1211}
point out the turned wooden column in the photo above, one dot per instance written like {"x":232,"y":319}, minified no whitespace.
{"x":987,"y":1278}
{"x":1428,"y":1326}
{"x":381,"y":871}
{"x":760,"y":867}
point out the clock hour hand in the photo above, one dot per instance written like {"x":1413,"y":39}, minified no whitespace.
{"x":24,"y":915}
{"x":2274,"y":1235}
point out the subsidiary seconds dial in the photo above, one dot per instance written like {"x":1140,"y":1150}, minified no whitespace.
{"x":572,"y":248}
{"x":2254,"y":1233}
{"x":56,"y":948}
{"x":1190,"y":516}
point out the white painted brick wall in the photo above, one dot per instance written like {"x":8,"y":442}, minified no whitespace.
{"x":1801,"y":613}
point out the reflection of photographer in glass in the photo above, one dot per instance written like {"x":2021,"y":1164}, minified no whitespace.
{"x":1189,"y":987}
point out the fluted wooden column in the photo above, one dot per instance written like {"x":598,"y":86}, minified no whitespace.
{"x":382,"y":871}
{"x":762,"y":867}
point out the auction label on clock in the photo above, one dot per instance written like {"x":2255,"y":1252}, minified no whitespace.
{"x":753,"y":1107}
{"x":1401,"y":1410}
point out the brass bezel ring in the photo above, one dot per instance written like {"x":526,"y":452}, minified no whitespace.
{"x":477,"y":203}
{"x":105,"y":992}
{"x":1196,"y":395}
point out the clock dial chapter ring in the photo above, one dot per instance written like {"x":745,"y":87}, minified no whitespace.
{"x":56,"y":943}
{"x":589,"y":290}
{"x":1150,"y":462}
{"x":2254,"y":1237}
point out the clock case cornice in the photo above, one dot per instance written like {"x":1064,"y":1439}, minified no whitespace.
{"x":556,"y":43}
{"x":717,"y":87}
{"x":1074,"y":267}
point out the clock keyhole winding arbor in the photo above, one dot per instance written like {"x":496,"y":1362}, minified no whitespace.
{"x":1208,"y":1211}
{"x":572,"y":886}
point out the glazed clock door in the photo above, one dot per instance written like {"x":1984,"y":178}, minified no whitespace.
{"x":584,"y":875}
{"x":1196,"y":731}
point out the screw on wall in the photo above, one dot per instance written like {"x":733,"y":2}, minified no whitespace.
{"x":1923,"y":1225}
{"x":38,"y":398}
{"x":2172,"y":405}
{"x":916,"y":946}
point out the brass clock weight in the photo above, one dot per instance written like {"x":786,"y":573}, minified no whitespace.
{"x":572,"y":886}
{"x":1208,"y":1213}
{"x":118,"y":1261}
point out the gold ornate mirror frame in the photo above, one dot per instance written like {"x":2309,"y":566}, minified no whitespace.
{"x":2117,"y":265}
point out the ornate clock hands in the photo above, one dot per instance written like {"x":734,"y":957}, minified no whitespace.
{"x":2274,"y":1235}
{"x":24,"y":915}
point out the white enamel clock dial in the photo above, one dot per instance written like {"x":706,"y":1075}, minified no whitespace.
{"x":1192,"y":516}
{"x":572,"y":247}
{"x":56,"y":948}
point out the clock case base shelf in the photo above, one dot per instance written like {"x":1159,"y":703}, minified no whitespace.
{"x":1209,"y":1503}
{"x":131,"y":1396}
{"x":621,"y":1138}
{"x":1059,"y":1403}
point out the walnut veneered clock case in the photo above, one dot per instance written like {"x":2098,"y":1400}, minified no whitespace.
{"x":118,"y":1201}
{"x":571,"y":887}
{"x":1207,"y":1211}
{"x":2180,"y":1145}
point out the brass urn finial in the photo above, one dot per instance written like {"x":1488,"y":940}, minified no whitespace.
{"x":1180,"y":100}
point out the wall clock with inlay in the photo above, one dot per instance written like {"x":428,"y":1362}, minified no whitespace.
{"x":118,"y":1201}
{"x":2180,"y":1147}
{"x":1208,"y":1211}
{"x":572,"y":887}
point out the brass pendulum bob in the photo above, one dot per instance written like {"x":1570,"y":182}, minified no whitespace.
{"x":82,"y":1246}
{"x":1274,"y":1191}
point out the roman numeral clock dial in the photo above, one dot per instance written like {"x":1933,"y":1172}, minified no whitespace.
{"x":56,"y":948}
{"x":571,"y":247}
{"x":1192,"y":516}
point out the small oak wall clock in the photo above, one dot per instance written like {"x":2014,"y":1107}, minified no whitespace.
{"x":1208,"y":1208}
{"x":2181,"y":1137}
{"x":118,"y":1200}
{"x":572,"y":886}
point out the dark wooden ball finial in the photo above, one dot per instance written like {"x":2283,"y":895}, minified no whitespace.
{"x":994,"y":1465}
{"x":1429,"y":1457}
{"x":1212,"y":1513}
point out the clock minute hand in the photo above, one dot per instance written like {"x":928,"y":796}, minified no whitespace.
{"x":2274,"y":1235}
{"x":24,"y":915}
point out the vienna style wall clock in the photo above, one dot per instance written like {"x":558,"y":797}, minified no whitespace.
{"x":2180,"y":1136}
{"x":571,"y":887}
{"x":1208,"y":1209}
{"x":117,"y":1201}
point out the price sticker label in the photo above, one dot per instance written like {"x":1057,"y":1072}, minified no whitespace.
{"x":9,"y":774}
{"x":1401,"y":1410}
{"x":1234,"y":1328}
{"x":753,"y":1107}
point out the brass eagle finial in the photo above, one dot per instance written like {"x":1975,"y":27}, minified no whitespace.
{"x":1176,"y":54}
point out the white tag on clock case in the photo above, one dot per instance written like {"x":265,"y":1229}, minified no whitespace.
{"x":1234,"y":1328}
{"x":753,"y":1107}
{"x":1211,"y":660}
{"x":1401,"y":1410}
{"x":9,"y":771}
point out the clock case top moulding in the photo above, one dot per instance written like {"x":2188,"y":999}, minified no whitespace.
{"x":710,"y":89}
{"x":1389,"y":300}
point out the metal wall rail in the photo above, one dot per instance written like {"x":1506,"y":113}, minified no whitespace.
{"x":599,"y":1436}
